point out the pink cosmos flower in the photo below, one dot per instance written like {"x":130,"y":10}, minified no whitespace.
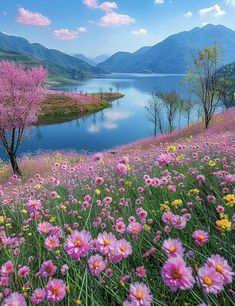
{"x":99,"y":180}
{"x":221,"y":266}
{"x":179,"y":222}
{"x":52,"y":242}
{"x":47,"y":269}
{"x":44,"y":227}
{"x":120,"y":227}
{"x":210,"y":280}
{"x":78,"y":244}
{"x":173,"y":247}
{"x":123,"y":248}
{"x":55,"y":290}
{"x":176,"y":274}
{"x":140,"y":295}
{"x":7,"y":268}
{"x":165,"y":159}
{"x":140,"y":271}
{"x":134,"y":228}
{"x":4,"y":281}
{"x":200,"y":237}
{"x":106,"y":242}
{"x":121,"y":168}
{"x":23,"y":271}
{"x":96,"y":265}
{"x":33,"y":205}
{"x":200,"y":179}
{"x":168,"y":217}
{"x":38,"y":296}
{"x":15,"y":299}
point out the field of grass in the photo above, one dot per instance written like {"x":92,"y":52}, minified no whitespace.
{"x":61,"y":106}
{"x":150,"y":223}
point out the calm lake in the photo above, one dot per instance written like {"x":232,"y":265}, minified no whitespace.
{"x":124,"y":122}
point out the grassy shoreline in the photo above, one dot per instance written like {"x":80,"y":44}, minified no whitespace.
{"x":60,"y":107}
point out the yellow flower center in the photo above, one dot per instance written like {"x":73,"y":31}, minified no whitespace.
{"x":219,"y":268}
{"x":78,"y":243}
{"x":122,"y":248}
{"x":176,"y":274}
{"x":38,"y":296}
{"x":96,"y":264}
{"x":207,"y":281}
{"x":172,"y":248}
{"x":139,"y":294}
{"x":106,"y":242}
{"x":200,"y":237}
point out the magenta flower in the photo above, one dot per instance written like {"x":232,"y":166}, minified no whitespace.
{"x":173,"y":247}
{"x":15,"y":299}
{"x":123,"y":248}
{"x":176,"y":274}
{"x":55,"y":290}
{"x":134,"y":228}
{"x":140,"y":271}
{"x":52,"y":242}
{"x":23,"y":271}
{"x":44,"y":227}
{"x":106,"y":242}
{"x":96,"y":265}
{"x":179,"y":222}
{"x":140,"y":295}
{"x":78,"y":244}
{"x":165,"y":159}
{"x":210,"y":280}
{"x":38,"y":296}
{"x":7,"y":268}
{"x":121,"y":168}
{"x":47,"y":269}
{"x":200,"y":237}
{"x":33,"y":205}
{"x":221,"y":266}
{"x":168,"y":217}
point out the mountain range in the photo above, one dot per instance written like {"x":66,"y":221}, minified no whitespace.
{"x":57,"y":63}
{"x":175,"y":53}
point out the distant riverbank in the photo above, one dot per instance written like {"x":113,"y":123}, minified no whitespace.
{"x":59,"y":106}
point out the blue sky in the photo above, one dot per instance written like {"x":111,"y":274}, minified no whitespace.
{"x":95,"y":27}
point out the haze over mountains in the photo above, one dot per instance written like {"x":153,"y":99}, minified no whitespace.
{"x":58,"y":63}
{"x":174,"y":54}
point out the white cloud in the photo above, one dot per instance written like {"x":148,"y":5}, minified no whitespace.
{"x":139,"y":32}
{"x":32,"y":18}
{"x":112,"y":20}
{"x":215,"y":10}
{"x":65,"y":34}
{"x":159,"y":2}
{"x":230,"y":2}
{"x":105,"y":6}
{"x":189,"y":14}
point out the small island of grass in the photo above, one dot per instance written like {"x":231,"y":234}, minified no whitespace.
{"x":61,"y":106}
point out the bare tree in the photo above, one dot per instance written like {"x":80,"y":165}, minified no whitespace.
{"x":205,"y":82}
{"x":170,"y":101}
{"x":188,"y":106}
{"x":154,"y":109}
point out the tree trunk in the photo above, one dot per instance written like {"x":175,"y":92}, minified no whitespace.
{"x":14,"y":164}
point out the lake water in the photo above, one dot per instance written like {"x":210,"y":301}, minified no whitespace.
{"x":124,"y":122}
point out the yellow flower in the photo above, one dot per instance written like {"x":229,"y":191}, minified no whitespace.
{"x":230,"y":198}
{"x":77,"y":302}
{"x":8,"y":224}
{"x":180,"y":157}
{"x":97,"y":192}
{"x":29,"y":234}
{"x":2,"y":219}
{"x":128,"y":167}
{"x":164,"y":207}
{"x":171,"y":149}
{"x":52,"y":219}
{"x":193,"y":192}
{"x":177,"y":203}
{"x":128,"y":183}
{"x":24,"y":211}
{"x":38,"y":187}
{"x":212,"y":163}
{"x":63,"y":207}
{"x":146,"y":228}
{"x":224,"y":224}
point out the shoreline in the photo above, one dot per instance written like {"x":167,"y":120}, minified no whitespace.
{"x":59,"y":107}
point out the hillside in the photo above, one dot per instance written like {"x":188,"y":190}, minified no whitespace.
{"x":114,"y":224}
{"x":84,"y":59}
{"x":161,"y":59}
{"x":57,"y":62}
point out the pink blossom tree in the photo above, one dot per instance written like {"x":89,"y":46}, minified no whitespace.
{"x":21,"y":92}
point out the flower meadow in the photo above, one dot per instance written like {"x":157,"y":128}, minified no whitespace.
{"x":151,"y":223}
